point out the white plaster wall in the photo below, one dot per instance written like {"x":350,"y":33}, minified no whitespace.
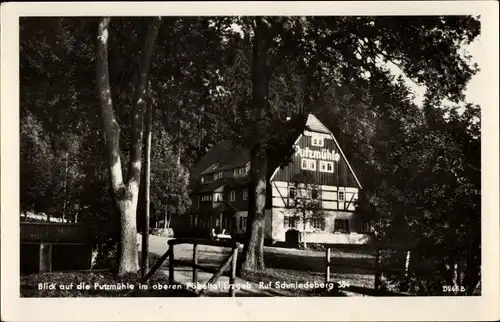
{"x":278,"y":231}
{"x":328,"y":196}
{"x":328,"y":235}
{"x":338,"y":238}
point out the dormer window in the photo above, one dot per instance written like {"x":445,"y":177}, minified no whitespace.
{"x":239,"y":172}
{"x":317,"y":141}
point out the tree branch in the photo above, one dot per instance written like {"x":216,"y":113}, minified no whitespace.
{"x":374,"y":48}
{"x":134,"y":174}
{"x":111,"y":127}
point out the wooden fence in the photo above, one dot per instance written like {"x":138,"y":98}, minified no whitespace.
{"x":54,"y":233}
{"x":230,"y":262}
{"x":46,"y":236}
{"x":376,"y":249}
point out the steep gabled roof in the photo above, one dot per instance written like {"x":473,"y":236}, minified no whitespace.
{"x":214,"y":155}
{"x":313,"y":124}
{"x":230,"y":154}
{"x":236,"y":156}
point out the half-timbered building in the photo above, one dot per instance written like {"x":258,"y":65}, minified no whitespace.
{"x":220,"y":189}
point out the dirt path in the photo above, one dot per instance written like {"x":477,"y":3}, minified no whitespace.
{"x":208,"y":256}
{"x":288,"y":265}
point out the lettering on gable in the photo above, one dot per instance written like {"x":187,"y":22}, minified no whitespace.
{"x":323,"y":154}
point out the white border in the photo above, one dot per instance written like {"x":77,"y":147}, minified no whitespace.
{"x":484,"y":307}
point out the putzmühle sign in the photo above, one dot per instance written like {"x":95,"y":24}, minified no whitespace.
{"x":323,"y":154}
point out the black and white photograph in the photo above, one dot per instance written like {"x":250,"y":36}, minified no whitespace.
{"x":250,"y":155}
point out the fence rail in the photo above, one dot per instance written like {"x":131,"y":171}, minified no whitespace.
{"x":230,"y":262}
{"x":53,"y":233}
{"x":376,"y":248}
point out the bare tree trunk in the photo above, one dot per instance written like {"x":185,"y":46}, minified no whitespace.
{"x":65,"y":187}
{"x":147,"y":170}
{"x":253,"y":257}
{"x":407,"y":263}
{"x":254,"y":247}
{"x":304,"y":232}
{"x":167,"y":220}
{"x":125,"y":193}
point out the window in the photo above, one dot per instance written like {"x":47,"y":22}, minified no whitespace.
{"x":218,"y":175}
{"x":239,"y":172}
{"x":291,"y":196}
{"x":202,"y":179}
{"x":326,"y":166}
{"x":342,"y":225}
{"x":245,"y":194}
{"x":365,"y":226}
{"x":308,"y":164}
{"x":318,"y":223}
{"x":312,"y":164}
{"x":218,"y":197}
{"x":243,"y":223}
{"x":317,"y":141}
{"x":232,"y":195}
{"x":341,"y":196}
{"x":314,"y":194}
{"x":195,"y":221}
{"x":290,"y":222}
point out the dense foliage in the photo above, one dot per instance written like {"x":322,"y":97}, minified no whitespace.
{"x":419,"y":166}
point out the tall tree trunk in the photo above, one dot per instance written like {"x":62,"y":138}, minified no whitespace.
{"x":304,"y":231}
{"x":254,"y":247}
{"x":124,"y":193}
{"x":65,"y":187}
{"x":253,"y":258}
{"x":147,"y":180}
